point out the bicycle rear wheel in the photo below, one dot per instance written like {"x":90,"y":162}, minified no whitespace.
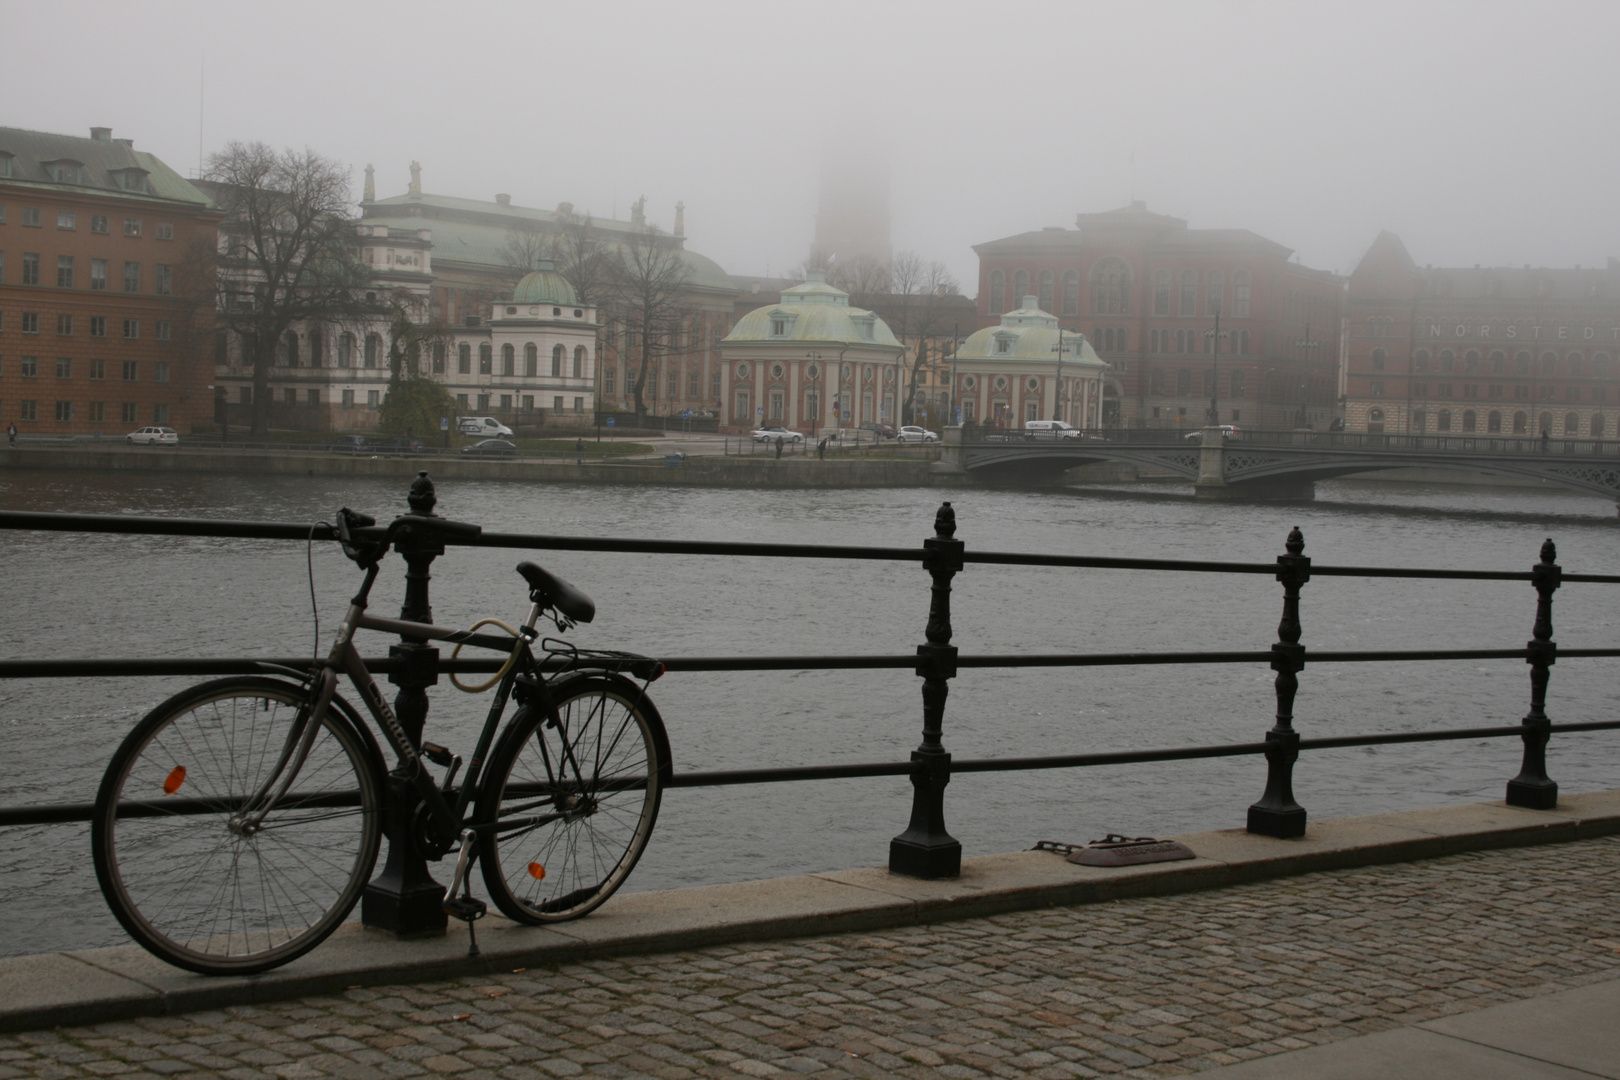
{"x":574,"y":802}
{"x":194,"y":885}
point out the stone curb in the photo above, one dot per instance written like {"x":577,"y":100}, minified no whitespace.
{"x":101,"y":985}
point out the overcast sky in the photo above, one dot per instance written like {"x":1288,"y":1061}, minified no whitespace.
{"x":1480,"y":132}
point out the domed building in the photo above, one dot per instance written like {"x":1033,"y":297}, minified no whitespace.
{"x":1009,"y":374}
{"x":787,"y":360}
{"x":542,"y":347}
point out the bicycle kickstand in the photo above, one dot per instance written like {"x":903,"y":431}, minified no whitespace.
{"x":465,"y":907}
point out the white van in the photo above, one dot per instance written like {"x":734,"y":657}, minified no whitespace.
{"x":1050,"y":429}
{"x":483,"y":427}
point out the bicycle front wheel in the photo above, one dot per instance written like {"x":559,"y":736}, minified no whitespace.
{"x":193,"y":881}
{"x":569,"y":805}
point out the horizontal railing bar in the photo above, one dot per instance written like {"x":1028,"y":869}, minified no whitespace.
{"x":271,"y":530}
{"x":74,"y":812}
{"x":56,"y":669}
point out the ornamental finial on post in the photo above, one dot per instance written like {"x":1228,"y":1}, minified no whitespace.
{"x":422,"y":498}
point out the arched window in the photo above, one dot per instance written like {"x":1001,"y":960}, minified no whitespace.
{"x":1521,"y":362}
{"x":579,"y":364}
{"x":1545,"y":423}
{"x":1020,"y":287}
{"x":998,"y":292}
{"x":1498,"y":362}
{"x":464,"y":358}
{"x":1600,"y":366}
{"x":292,"y":348}
{"x":1493,"y":422}
{"x":438,"y":357}
{"x":508,"y":359}
{"x":373,"y":350}
{"x":1468,"y":420}
{"x":1521,"y":423}
{"x":346,"y":351}
{"x":1572,"y":424}
{"x":1111,"y":287}
{"x":1161,"y":292}
{"x":1442,"y":420}
{"x":1448,"y":363}
{"x":485,"y":359}
{"x":1597,"y":425}
{"x":531,"y":359}
{"x":317,"y":356}
{"x":1420,"y":421}
{"x":1071,"y":292}
{"x":1240,"y":295}
{"x":1375,"y":420}
{"x":1188,"y":305}
{"x":1214,"y":293}
{"x":1471,"y":361}
{"x":556,"y":361}
{"x":1045,"y":282}
{"x":1574,"y":361}
{"x":1420,"y":361}
{"x":1549,"y":364}
{"x":1378,"y":359}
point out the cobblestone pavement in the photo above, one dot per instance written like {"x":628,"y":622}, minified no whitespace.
{"x":1136,"y":988}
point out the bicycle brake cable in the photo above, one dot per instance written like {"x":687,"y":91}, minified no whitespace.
{"x":314,"y":609}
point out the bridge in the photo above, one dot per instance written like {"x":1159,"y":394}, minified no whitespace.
{"x":1287,"y":464}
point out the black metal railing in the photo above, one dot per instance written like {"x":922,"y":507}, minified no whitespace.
{"x":926,"y":848}
{"x":1445,"y":443}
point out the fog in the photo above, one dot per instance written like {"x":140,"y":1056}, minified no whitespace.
{"x":1480,"y":132}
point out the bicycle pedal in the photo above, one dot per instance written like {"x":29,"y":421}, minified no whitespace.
{"x":437,"y":754}
{"x":466,"y":908}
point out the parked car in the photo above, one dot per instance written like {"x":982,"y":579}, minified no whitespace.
{"x":349,"y":444}
{"x":480,"y":426}
{"x":153,"y":436}
{"x":911,"y":433}
{"x":879,"y":431}
{"x":771,"y":434}
{"x":1050,"y":429}
{"x":397,"y":444}
{"x":491,"y":448}
{"x":1228,"y":431}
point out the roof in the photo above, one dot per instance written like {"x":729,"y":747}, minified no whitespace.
{"x":100,"y":157}
{"x":544,"y":286}
{"x":813,"y":312}
{"x":1158,"y":232}
{"x":1031,"y":336}
{"x":473,"y":231}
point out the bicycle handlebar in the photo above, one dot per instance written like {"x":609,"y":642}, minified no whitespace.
{"x":365,"y":543}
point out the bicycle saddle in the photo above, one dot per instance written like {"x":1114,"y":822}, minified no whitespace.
{"x":549,"y":590}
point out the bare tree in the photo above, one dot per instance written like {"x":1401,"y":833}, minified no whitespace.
{"x":580,"y":256}
{"x":647,"y":292}
{"x":864,"y":277}
{"x":526,"y":246}
{"x":289,"y":252}
{"x":922,"y":291}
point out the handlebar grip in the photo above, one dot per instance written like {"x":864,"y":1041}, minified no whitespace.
{"x":450,"y":530}
{"x":361,"y":521}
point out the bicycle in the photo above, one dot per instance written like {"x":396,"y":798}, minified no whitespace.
{"x":239,"y":821}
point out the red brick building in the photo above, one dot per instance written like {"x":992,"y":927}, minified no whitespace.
{"x":96,"y":333}
{"x":1492,"y":350}
{"x":1145,"y":290}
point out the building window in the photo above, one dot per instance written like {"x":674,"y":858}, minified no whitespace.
{"x":98,"y":223}
{"x":132,"y":277}
{"x":98,"y":326}
{"x":160,"y":371}
{"x":1375,"y":420}
{"x":1214,"y":293}
{"x":464,"y":359}
{"x":1071,"y":292}
{"x":1443,"y":420}
{"x":674,"y":384}
{"x":1188,"y":306}
{"x":348,"y":399}
{"x":373,"y":350}
{"x":289,"y":396}
{"x":30,"y":268}
{"x":1493,"y":422}
{"x":67,"y":219}
{"x":1420,"y":361}
{"x":30,"y":322}
{"x":165,"y":231}
{"x":609,"y":379}
{"x":132,"y":329}
{"x":32,"y":218}
{"x":778,"y":327}
{"x":98,"y":370}
{"x":508,"y":360}
{"x":98,"y":411}
{"x":132,"y":226}
{"x":1240,"y":295}
{"x":371,"y":399}
{"x":313,"y":397}
{"x":346,"y":351}
{"x":557,"y":404}
{"x":1377,"y":388}
{"x":29,"y":410}
{"x":126,"y":411}
{"x":244,"y":396}
{"x":461,"y":403}
{"x":98,"y":275}
{"x":1044,"y":283}
{"x":531,"y":360}
{"x":579,"y":405}
{"x":64,"y":271}
{"x":483,"y":403}
{"x":556,"y":361}
{"x":486,"y":362}
{"x":64,"y":367}
{"x":1378,"y":359}
{"x":64,"y":325}
{"x":579,"y":365}
{"x":132,"y":370}
{"x":30,"y":367}
{"x":1597,"y":425}
{"x":1420,"y":420}
{"x":998,"y":292}
{"x":693,"y":383}
{"x":163,"y":280}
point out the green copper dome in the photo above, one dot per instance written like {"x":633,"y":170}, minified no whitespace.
{"x":544,"y":286}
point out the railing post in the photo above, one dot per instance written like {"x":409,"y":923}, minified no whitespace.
{"x":925,"y":849}
{"x":1532,"y":788}
{"x":404,"y":899}
{"x":1277,"y":814}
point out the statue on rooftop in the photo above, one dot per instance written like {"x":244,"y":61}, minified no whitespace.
{"x":416,"y":178}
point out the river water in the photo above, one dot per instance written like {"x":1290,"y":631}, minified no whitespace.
{"x":134,"y":596}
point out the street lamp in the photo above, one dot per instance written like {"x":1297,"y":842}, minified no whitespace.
{"x":1214,"y":337}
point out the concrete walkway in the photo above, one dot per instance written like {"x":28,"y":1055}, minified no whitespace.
{"x":1483,"y":955}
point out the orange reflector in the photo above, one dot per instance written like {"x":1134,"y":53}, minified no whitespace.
{"x":536,"y":871}
{"x":176,"y":777}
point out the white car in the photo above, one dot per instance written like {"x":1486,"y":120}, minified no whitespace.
{"x":771,"y":434}
{"x":480,"y":427}
{"x":910,"y":433}
{"x":154,"y":436}
{"x":1228,"y":431}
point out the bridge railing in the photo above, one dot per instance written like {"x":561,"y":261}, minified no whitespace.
{"x":925,"y":848}
{"x":1444,"y":443}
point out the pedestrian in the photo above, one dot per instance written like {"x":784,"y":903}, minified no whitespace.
{"x":821,"y":450}
{"x":579,"y":451}
{"x":11,"y":433}
{"x":779,"y":446}
{"x":1546,"y":440}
